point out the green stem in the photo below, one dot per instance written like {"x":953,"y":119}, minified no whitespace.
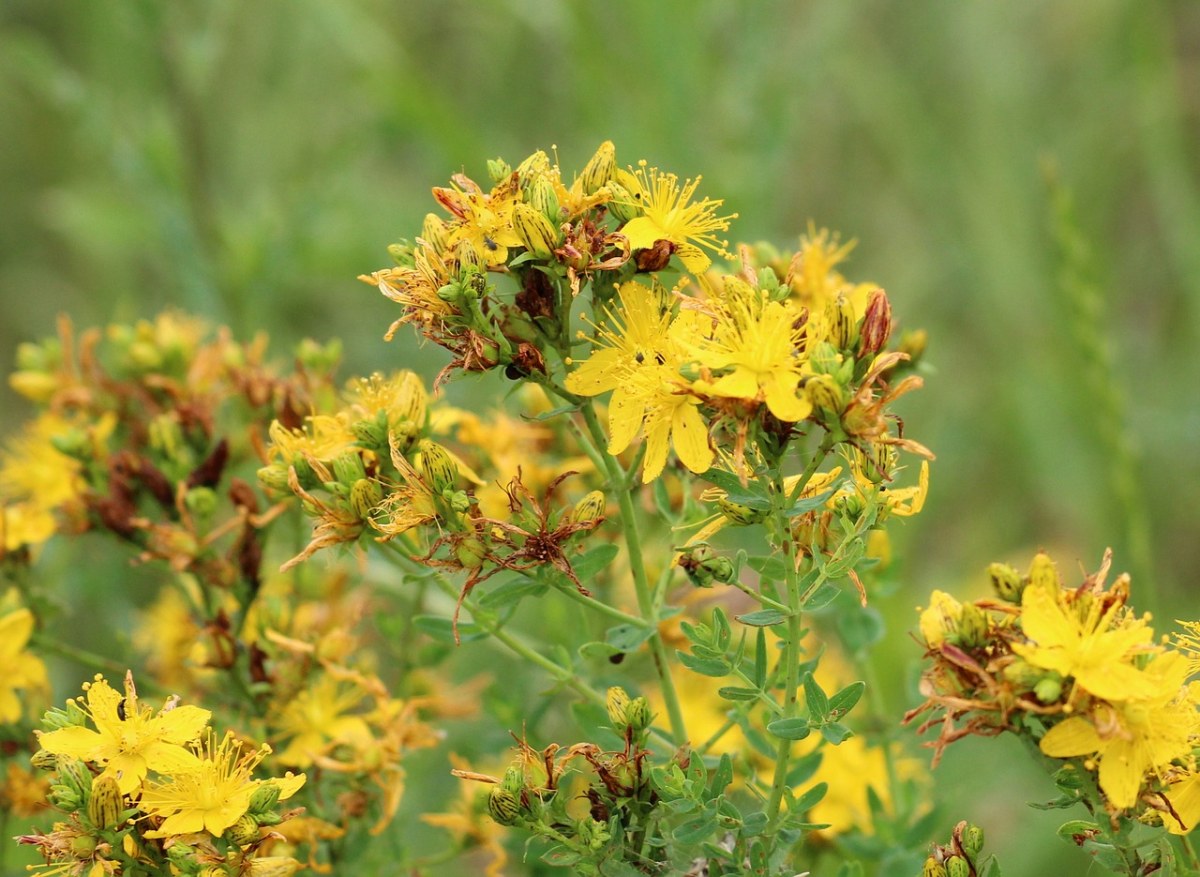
{"x":781,"y":505}
{"x":595,"y":605}
{"x":641,"y":583}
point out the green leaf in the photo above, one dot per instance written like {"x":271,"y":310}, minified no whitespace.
{"x":804,"y":768}
{"x":627,"y":637}
{"x":512,"y":591}
{"x":442,"y":629}
{"x":560,"y":857}
{"x":1082,"y":828}
{"x":598,"y":651}
{"x":751,"y":495}
{"x":760,"y":659}
{"x":696,"y":829}
{"x":842,"y":702}
{"x":722,"y":776}
{"x":762,"y":618}
{"x":768,"y":566}
{"x":809,"y":503}
{"x":662,"y":500}
{"x":715,"y":667}
{"x":836,"y":733}
{"x":809,"y":799}
{"x":816,"y":699}
{"x":617,"y":868}
{"x":822,"y":597}
{"x":721,"y":629}
{"x":732,"y":692}
{"x":594,"y":560}
{"x":993,"y":868}
{"x":754,"y":824}
{"x":796,"y":728}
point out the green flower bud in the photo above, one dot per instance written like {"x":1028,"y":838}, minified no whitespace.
{"x":972,"y":840}
{"x":1006,"y":581}
{"x":719,"y":569}
{"x":274,"y":478}
{"x":305,"y":475}
{"x":458,"y":500}
{"x":621,"y":203}
{"x":638,"y":714}
{"x":498,"y":170}
{"x":372,"y":432}
{"x":513,"y":781}
{"x":740,"y":514}
{"x":104,"y":807}
{"x":348,"y":468}
{"x":957,"y":866}
{"x":593,"y":834}
{"x":1048,"y":690}
{"x":265,"y":797}
{"x":600,"y":168}
{"x":402,"y":254}
{"x":544,"y":200}
{"x":450,"y":293}
{"x":972,"y":626}
{"x":243,"y":832}
{"x":471,"y":552}
{"x":65,"y":798}
{"x":616,"y":701}
{"x":438,"y":467}
{"x":503,"y":806}
{"x":74,"y":774}
{"x":201,"y":502}
{"x":83,"y":846}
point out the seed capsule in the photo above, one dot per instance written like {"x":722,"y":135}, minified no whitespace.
{"x":244,"y":831}
{"x":503,"y":806}
{"x":265,"y":797}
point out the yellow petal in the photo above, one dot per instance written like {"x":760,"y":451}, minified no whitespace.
{"x":689,"y":435}
{"x":780,"y":393}
{"x":692,"y":257}
{"x":74,"y":741}
{"x":657,"y":432}
{"x":1185,"y":800}
{"x":598,"y":374}
{"x":15,"y":630}
{"x":1121,"y":773}
{"x":182,"y":724}
{"x":625,"y":413}
{"x":642,"y":232}
{"x":739,"y":384}
{"x":1074,"y":736}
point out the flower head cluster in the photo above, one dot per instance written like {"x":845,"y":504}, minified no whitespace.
{"x":153,"y":787}
{"x":1077,"y":671}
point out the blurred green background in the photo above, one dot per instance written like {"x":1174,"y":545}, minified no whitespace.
{"x":247,"y":161}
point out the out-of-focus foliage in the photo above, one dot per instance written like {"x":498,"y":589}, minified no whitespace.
{"x":247,"y":161}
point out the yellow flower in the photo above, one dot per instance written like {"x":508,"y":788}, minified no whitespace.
{"x":668,"y":216}
{"x":22,"y":671}
{"x":131,"y":746}
{"x":212,"y":795}
{"x":486,"y":225}
{"x":323,"y":438}
{"x":639,"y":360}
{"x":759,"y":340}
{"x":1137,"y":736}
{"x":402,"y":396}
{"x":1085,"y":642}
{"x":319,"y":718}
